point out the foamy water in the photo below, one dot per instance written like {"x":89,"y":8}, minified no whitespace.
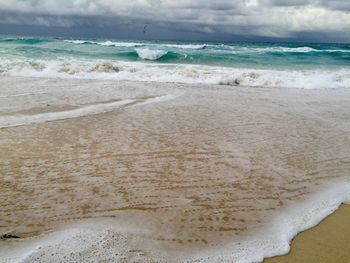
{"x":163,"y":151}
{"x":191,"y":74}
{"x":166,"y":172}
{"x":93,"y":240}
{"x":290,"y":65}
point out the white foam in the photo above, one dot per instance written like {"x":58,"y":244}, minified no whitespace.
{"x":92,"y":240}
{"x":119,"y":44}
{"x":150,"y":54}
{"x":185,"y":46}
{"x":160,"y":99}
{"x":176,"y":73}
{"x":77,"y":41}
{"x":338,"y":50}
{"x":305,"y":49}
{"x":275,"y":238}
{"x":287,"y":49}
{"x":137,"y":44}
{"x":92,"y":109}
{"x":99,"y":239}
{"x":233,"y":48}
{"x":299,"y":49}
{"x":105,"y":43}
{"x":18,"y":120}
{"x":239,"y":50}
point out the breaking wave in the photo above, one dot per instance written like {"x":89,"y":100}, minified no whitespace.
{"x":287,"y":50}
{"x":105,"y":43}
{"x":184,"y":46}
{"x":149,"y":54}
{"x":234,"y":64}
{"x":237,"y":48}
{"x":176,"y":73}
{"x":137,"y":44}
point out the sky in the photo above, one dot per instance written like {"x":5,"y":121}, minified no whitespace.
{"x":214,"y":20}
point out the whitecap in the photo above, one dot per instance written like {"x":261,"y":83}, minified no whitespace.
{"x":119,"y":44}
{"x":184,"y":46}
{"x":176,"y":73}
{"x":150,"y":54}
{"x":278,"y":49}
{"x":77,"y":41}
{"x":107,"y":43}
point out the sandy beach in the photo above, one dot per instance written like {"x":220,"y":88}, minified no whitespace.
{"x":160,"y":172}
{"x":327,"y":242}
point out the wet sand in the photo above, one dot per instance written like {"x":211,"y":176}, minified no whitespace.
{"x":327,"y":242}
{"x":187,"y":172}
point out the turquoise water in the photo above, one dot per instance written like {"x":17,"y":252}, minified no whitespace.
{"x":247,"y":55}
{"x":251,"y":64}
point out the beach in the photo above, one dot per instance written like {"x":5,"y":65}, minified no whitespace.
{"x":166,"y":172}
{"x":327,"y":242}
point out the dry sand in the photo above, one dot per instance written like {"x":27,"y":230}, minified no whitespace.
{"x":326,"y":243}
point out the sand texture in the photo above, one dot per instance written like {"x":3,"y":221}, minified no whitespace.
{"x":178,"y":171}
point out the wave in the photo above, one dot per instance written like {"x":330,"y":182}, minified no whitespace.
{"x":293,"y":50}
{"x":185,"y":46}
{"x":194,"y":46}
{"x":213,"y":49}
{"x":277,"y":50}
{"x":305,"y":49}
{"x":77,"y":41}
{"x":236,"y":49}
{"x":23,"y":40}
{"x":309,"y":49}
{"x":138,"y":44}
{"x":176,"y":73}
{"x":119,"y":44}
{"x":150,"y":54}
{"x":221,"y":48}
{"x":105,"y":67}
{"x":337,"y":51}
{"x":105,"y":43}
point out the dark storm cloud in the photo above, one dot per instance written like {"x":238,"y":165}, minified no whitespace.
{"x":264,"y":18}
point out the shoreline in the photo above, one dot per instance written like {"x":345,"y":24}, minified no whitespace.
{"x":327,"y":242}
{"x":259,"y":151}
{"x":301,"y":246}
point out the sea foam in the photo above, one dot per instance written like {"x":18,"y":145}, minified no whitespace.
{"x":186,"y":46}
{"x":150,"y":54}
{"x":275,"y":239}
{"x":18,"y":120}
{"x":105,"y":239}
{"x":176,"y":73}
{"x":107,"y":43}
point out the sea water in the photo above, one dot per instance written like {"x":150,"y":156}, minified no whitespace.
{"x":166,"y":171}
{"x":294,"y":65}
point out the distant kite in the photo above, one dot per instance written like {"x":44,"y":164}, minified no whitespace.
{"x":145,"y":28}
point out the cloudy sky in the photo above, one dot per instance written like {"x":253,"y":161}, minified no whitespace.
{"x":327,"y":20}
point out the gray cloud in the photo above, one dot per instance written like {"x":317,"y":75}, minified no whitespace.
{"x":265,"y":18}
{"x":342,"y":5}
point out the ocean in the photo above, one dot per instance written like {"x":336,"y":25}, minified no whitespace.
{"x":294,"y":65}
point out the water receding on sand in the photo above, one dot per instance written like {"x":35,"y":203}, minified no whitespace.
{"x":213,"y":172}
